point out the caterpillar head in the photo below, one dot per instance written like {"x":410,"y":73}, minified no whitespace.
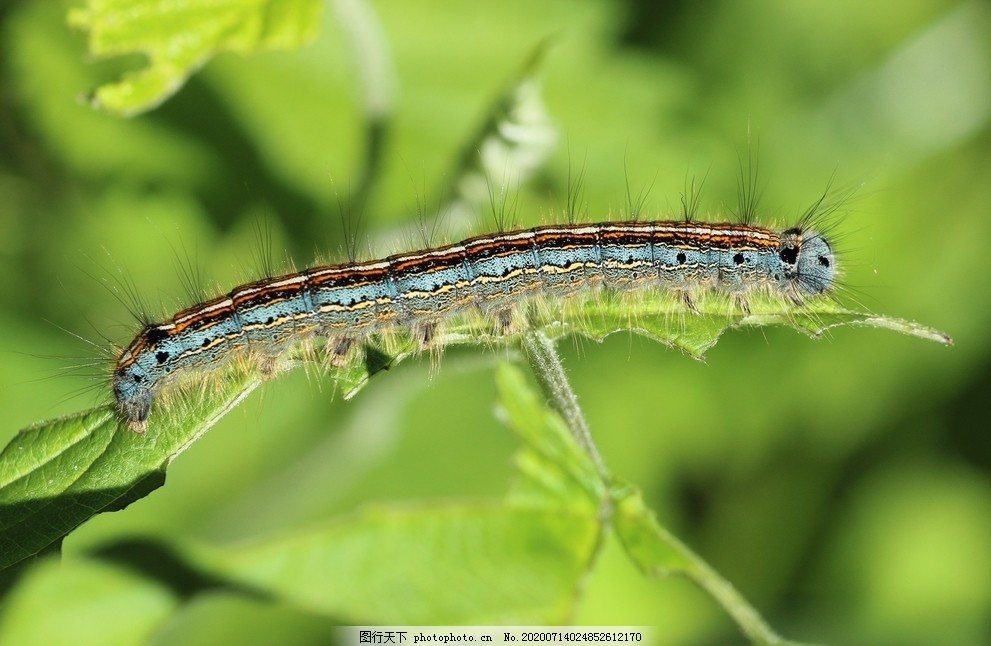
{"x":808,"y":260}
{"x":132,"y":390}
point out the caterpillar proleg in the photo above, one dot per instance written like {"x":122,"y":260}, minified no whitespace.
{"x":419,"y":291}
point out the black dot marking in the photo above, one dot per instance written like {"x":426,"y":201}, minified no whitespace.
{"x":270,"y":320}
{"x":824,"y":261}
{"x":137,"y":379}
{"x":155,"y":335}
{"x":206,"y":342}
{"x":789,"y":255}
{"x":738,"y":259}
{"x":161,"y":357}
{"x":681,"y":258}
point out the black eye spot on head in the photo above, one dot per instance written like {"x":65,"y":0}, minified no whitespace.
{"x":789,"y":255}
{"x":824,"y":261}
{"x":155,"y":335}
{"x":738,"y":259}
{"x":681,"y":258}
{"x":161,"y":357}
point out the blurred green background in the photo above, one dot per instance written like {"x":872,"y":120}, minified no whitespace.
{"x":842,"y":485}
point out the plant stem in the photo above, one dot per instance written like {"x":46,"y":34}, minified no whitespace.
{"x":547,"y":367}
{"x":549,"y":371}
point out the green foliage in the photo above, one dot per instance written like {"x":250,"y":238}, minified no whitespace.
{"x":179,"y":37}
{"x":760,"y":463}
{"x":519,"y":560}
{"x":60,"y":473}
{"x":56,"y":475}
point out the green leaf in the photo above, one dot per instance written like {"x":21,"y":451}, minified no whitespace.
{"x":479,"y":563}
{"x":57,"y":474}
{"x":663,"y":318}
{"x":658,"y":553}
{"x":122,"y":607}
{"x":178,"y":37}
{"x":552,"y":468}
{"x":513,"y":561}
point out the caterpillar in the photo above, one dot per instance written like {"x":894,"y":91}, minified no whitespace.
{"x":418,"y":291}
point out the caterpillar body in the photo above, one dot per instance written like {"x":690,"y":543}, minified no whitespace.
{"x":418,"y":291}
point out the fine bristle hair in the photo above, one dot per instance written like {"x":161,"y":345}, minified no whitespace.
{"x":504,"y":203}
{"x":691,"y":198}
{"x":576,"y":209}
{"x":189,"y":273}
{"x":263,"y":253}
{"x":121,"y":287}
{"x":635,"y":205}
{"x":492,"y":286}
{"x":351,"y":225}
{"x":823,"y":214}
{"x":91,"y":365}
{"x":749,"y":191}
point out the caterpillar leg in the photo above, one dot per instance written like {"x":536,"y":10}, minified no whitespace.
{"x":338,"y":350}
{"x":504,"y":322}
{"x":690,"y":305}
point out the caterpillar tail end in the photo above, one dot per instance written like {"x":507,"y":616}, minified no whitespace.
{"x":133,"y":407}
{"x":135,"y":412}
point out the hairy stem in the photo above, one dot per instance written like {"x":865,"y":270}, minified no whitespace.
{"x":547,"y":367}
